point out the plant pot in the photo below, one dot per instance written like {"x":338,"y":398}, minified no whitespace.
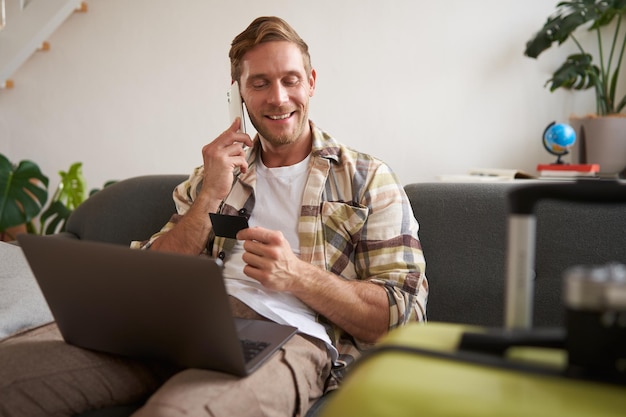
{"x":601,"y":140}
{"x":11,"y":233}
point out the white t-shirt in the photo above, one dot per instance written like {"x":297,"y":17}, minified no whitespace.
{"x":278,"y":197}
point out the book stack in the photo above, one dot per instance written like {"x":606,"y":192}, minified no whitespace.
{"x":568,"y":171}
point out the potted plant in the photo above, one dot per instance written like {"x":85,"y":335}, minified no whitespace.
{"x":602,"y":18}
{"x":25,"y":192}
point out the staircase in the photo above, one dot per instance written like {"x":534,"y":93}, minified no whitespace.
{"x":25,"y":26}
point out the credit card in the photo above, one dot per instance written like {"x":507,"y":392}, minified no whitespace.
{"x":225,"y":225}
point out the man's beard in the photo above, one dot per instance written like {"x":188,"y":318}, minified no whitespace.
{"x":285,"y":137}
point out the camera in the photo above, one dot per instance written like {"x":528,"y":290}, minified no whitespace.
{"x":595,"y":320}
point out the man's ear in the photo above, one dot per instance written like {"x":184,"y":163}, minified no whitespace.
{"x":312,"y":79}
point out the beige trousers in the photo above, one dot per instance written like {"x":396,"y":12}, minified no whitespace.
{"x":40,"y":375}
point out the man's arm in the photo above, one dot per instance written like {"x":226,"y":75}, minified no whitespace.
{"x":360,"y":308}
{"x":191,"y":232}
{"x":221,"y":157}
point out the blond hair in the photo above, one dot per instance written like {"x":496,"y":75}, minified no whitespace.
{"x":265,"y":29}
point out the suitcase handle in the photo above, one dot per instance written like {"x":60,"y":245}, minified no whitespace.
{"x":521,"y":237}
{"x":522,"y":200}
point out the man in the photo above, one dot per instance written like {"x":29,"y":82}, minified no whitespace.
{"x":332,"y":241}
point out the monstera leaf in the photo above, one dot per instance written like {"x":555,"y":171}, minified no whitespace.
{"x":23,"y":192}
{"x":53,"y":219}
{"x":70,"y":193}
{"x":578,"y":73}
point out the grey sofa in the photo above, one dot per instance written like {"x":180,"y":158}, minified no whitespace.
{"x":463,"y":230}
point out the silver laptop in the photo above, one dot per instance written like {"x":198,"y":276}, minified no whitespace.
{"x":137,"y":303}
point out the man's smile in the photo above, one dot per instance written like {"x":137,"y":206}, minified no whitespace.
{"x":280,"y":116}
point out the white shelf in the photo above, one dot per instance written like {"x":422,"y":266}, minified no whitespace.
{"x":27,"y":30}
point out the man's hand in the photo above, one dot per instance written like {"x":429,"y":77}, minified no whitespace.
{"x":221,"y":157}
{"x":269,"y":258}
{"x":360,"y":308}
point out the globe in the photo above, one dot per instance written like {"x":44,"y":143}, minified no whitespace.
{"x":558,"y":138}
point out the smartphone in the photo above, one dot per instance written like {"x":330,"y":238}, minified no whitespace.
{"x":235,"y":105}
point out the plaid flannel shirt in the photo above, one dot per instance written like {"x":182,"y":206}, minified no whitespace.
{"x":356,"y":222}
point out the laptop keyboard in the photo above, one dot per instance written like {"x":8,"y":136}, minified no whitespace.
{"x":251,"y":348}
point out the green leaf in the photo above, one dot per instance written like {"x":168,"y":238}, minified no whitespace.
{"x":70,"y":193}
{"x":607,"y":11}
{"x":53,"y":219}
{"x":558,"y":28}
{"x":106,"y":184}
{"x":576,"y":73}
{"x":23,"y":192}
{"x":620,"y":106}
{"x":72,"y":188}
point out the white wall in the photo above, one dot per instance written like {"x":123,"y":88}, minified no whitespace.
{"x":138,"y":86}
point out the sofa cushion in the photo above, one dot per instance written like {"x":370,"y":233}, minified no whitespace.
{"x":131,"y":209}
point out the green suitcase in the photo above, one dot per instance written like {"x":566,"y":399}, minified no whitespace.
{"x":418,"y":370}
